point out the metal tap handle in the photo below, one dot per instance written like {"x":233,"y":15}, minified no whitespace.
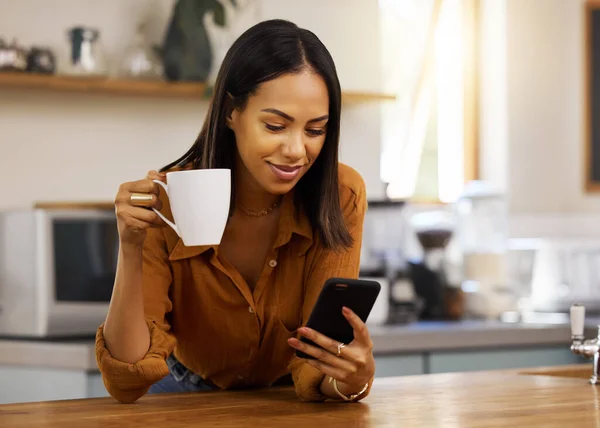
{"x":577,"y":320}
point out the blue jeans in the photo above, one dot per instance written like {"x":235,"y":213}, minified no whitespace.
{"x":179,"y":379}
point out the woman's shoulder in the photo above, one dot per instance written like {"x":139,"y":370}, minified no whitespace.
{"x":350,"y":181}
{"x":353,"y":198}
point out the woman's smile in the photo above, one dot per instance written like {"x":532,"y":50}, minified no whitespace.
{"x":285,"y":172}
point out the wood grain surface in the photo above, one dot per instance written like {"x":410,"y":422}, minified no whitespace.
{"x":482,"y":399}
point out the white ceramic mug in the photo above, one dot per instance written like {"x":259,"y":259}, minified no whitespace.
{"x":199,"y":201}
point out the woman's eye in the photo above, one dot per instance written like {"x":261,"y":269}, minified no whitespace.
{"x":315,"y":132}
{"x":274,"y":128}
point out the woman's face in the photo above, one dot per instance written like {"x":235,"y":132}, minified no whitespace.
{"x":281,"y":131}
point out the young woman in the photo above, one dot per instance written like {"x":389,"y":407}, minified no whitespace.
{"x":228,"y":316}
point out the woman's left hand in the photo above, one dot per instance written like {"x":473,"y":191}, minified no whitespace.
{"x":354,"y":367}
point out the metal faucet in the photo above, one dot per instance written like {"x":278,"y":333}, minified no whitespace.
{"x":588,"y":348}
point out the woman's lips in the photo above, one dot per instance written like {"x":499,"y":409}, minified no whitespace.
{"x":284,"y":172}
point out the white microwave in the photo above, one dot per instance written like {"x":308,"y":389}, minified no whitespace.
{"x":57,"y":270}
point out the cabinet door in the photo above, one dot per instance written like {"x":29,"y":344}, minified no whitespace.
{"x":442,"y":362}
{"x":26,"y":384}
{"x":399,"y":365}
{"x":95,"y":386}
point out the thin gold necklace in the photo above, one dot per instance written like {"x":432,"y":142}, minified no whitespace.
{"x":262,"y":212}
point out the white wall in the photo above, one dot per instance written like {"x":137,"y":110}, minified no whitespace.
{"x":532,"y":114}
{"x":545,"y":105}
{"x":79,"y":147}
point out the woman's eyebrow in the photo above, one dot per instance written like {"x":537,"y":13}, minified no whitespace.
{"x":290,"y":118}
{"x":279,"y":113}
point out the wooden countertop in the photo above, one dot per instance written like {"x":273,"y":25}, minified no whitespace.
{"x":478,"y":399}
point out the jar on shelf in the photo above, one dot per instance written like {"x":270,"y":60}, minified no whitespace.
{"x":140,"y":60}
{"x":86,"y":54}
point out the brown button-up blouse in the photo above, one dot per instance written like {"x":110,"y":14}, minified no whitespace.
{"x":201,"y":309}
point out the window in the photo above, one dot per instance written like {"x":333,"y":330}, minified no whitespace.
{"x":429,"y":146}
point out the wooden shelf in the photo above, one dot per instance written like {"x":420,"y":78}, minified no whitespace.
{"x":350,"y":97}
{"x":67,"y":205}
{"x":137,"y":88}
{"x":94,"y":85}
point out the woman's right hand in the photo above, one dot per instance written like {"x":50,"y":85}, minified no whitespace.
{"x":132,"y":220}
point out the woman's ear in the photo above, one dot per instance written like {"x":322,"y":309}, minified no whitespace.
{"x":229,"y":111}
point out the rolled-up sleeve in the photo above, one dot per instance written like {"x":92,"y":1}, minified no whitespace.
{"x":324,"y":264}
{"x":127,"y":382}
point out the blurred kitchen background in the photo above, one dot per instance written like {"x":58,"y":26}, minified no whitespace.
{"x":468,"y":120}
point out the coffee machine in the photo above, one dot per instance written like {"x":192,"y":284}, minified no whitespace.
{"x":432,"y":276}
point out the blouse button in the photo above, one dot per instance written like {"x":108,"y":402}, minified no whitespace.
{"x":250,"y":309}
{"x":273,"y":263}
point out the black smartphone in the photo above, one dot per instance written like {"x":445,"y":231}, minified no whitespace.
{"x":327,"y":318}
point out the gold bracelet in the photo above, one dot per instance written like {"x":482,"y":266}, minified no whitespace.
{"x":352,"y":397}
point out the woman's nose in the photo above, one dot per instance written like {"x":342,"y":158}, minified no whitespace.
{"x":294,"y":148}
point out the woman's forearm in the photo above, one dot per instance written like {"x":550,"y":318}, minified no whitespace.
{"x":125,"y":331}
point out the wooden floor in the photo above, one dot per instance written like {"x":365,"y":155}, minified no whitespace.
{"x":484,"y":399}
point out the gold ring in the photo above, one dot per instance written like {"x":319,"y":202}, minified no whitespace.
{"x":340,"y":347}
{"x":141,"y":199}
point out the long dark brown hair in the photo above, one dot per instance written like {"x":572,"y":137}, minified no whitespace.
{"x":264,"y":52}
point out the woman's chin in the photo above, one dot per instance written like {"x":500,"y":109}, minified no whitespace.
{"x":276,"y":186}
{"x":279,"y":188}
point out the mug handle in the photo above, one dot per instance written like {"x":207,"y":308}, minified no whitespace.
{"x":169,"y":222}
